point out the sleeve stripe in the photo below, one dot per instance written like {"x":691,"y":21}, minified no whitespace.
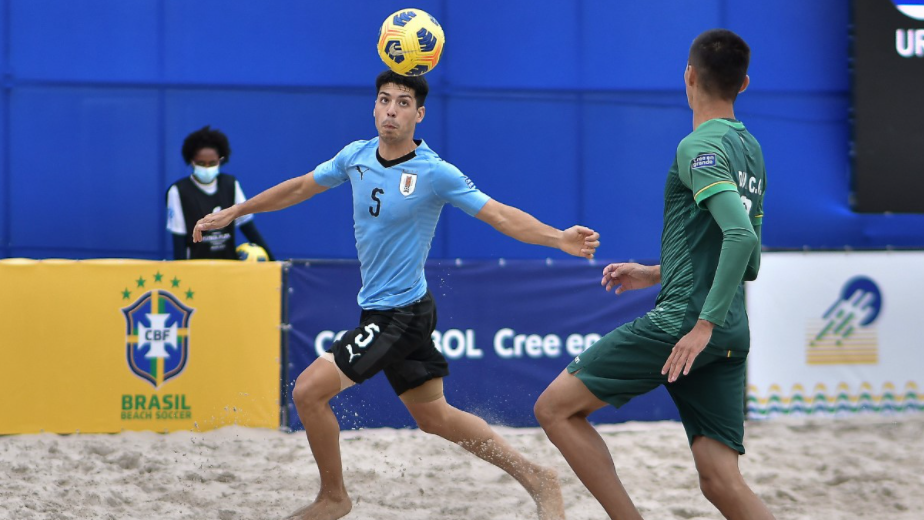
{"x":698,"y":193}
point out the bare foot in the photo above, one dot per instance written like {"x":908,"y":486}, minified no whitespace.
{"x":545,"y":489}
{"x":325,"y":508}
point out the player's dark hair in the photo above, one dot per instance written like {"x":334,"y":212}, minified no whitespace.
{"x":416,"y":83}
{"x":721,"y":60}
{"x":205,"y":137}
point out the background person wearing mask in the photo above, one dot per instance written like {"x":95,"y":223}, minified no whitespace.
{"x":207,"y":191}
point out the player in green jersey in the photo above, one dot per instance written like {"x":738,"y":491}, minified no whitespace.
{"x":695,"y":341}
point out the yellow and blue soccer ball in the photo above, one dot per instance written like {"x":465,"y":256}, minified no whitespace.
{"x":251,"y":252}
{"x":411,"y":42}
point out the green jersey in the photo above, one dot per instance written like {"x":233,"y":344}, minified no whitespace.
{"x":718,"y":156}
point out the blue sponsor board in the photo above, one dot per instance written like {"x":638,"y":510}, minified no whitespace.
{"x":507,"y":328}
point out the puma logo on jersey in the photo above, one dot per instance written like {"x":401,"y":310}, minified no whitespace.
{"x":361,"y":171}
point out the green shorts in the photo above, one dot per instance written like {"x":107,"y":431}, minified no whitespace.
{"x":627,"y":362}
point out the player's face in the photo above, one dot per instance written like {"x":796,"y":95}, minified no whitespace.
{"x":396,"y":113}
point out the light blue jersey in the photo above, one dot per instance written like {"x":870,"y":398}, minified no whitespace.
{"x":395,"y":211}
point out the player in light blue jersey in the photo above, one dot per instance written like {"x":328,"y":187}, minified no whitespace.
{"x":399,"y":188}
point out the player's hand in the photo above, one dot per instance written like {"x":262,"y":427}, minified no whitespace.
{"x":686,"y":350}
{"x":213,"y":221}
{"x":580,"y":241}
{"x":628,"y":276}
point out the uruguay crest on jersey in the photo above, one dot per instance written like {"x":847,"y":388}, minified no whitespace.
{"x":408,"y":183}
{"x":157,"y":336}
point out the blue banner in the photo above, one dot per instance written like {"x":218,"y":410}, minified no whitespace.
{"x":507,"y":328}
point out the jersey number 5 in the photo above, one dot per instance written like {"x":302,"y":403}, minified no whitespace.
{"x":374,"y":210}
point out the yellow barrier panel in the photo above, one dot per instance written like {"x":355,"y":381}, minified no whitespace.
{"x":112,"y":345}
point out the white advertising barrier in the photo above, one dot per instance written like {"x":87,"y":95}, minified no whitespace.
{"x":836,"y":333}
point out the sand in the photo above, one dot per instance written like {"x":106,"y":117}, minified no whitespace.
{"x":822,"y":468}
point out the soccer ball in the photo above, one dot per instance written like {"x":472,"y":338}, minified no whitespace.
{"x":251,"y":252}
{"x":411,"y":42}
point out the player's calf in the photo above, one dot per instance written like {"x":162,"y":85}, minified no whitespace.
{"x":722,"y":483}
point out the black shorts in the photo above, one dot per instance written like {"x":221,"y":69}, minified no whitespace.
{"x":397,"y":341}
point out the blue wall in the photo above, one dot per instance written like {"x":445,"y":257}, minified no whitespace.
{"x":571,"y":113}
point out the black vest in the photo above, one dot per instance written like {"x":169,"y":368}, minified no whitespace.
{"x":217,"y":243}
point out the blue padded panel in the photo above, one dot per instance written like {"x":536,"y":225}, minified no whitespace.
{"x":84,"y":170}
{"x":640,"y":45}
{"x":512,"y":44}
{"x":522,"y":152}
{"x":328,"y":42}
{"x":92,"y":40}
{"x":628,"y":150}
{"x":795,"y":45}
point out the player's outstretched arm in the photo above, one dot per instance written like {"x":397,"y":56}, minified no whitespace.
{"x":280,"y":196}
{"x":513,"y":222}
{"x":630,"y":276}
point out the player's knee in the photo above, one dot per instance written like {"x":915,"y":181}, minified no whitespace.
{"x":301,"y":393}
{"x":429,"y":425}
{"x":712,"y":488}
{"x":717,"y":465}
{"x":545,"y":410}
{"x":308,"y":392}
{"x":433,"y":421}
{"x":718,"y":485}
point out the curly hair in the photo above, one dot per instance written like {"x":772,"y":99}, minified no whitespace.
{"x":205,"y":137}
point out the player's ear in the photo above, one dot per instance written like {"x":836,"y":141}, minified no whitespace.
{"x":689,"y":75}
{"x":421,"y":111}
{"x":744,"y":86}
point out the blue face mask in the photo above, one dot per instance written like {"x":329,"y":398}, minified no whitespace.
{"x":205,"y":175}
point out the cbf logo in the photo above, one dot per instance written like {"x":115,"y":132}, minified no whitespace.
{"x":157,"y":332}
{"x":846,"y":332}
